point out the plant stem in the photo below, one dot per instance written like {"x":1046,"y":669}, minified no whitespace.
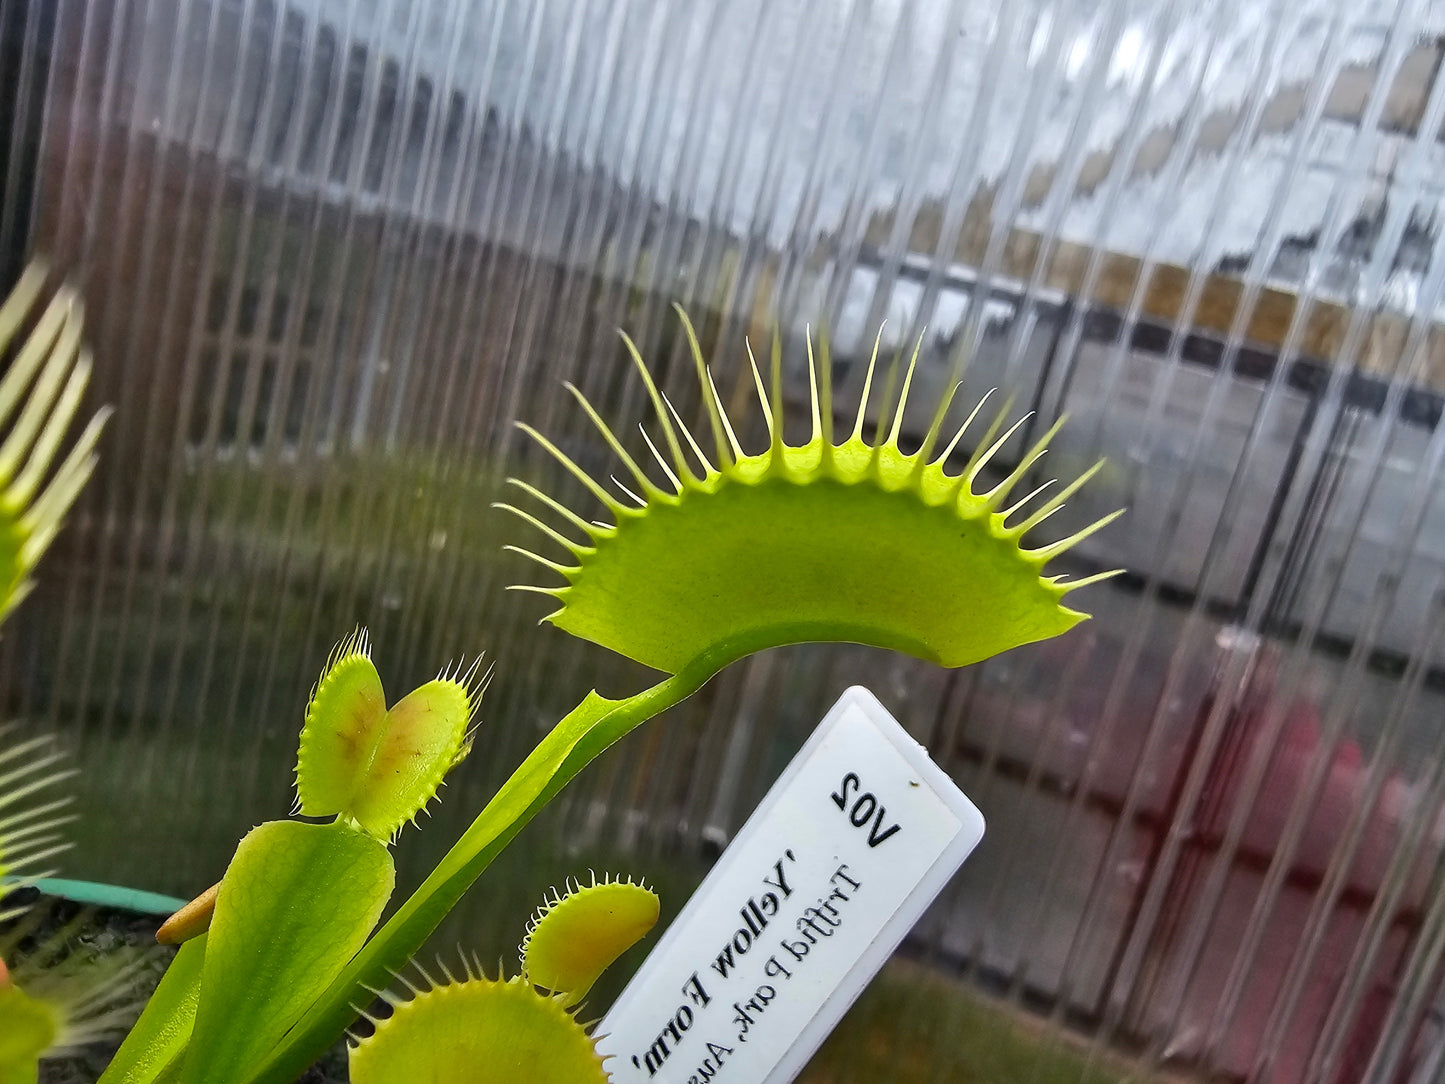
{"x":574,"y":742}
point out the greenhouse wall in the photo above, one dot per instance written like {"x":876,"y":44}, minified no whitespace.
{"x":331,"y":250}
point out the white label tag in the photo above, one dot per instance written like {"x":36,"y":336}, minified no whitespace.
{"x":851,"y":844}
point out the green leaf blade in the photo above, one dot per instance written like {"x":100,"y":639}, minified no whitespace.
{"x":296,"y":904}
{"x":158,"y":1039}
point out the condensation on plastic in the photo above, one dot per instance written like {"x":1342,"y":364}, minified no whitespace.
{"x":331,"y":249}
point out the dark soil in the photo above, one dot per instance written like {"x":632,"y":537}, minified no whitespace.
{"x":100,"y":932}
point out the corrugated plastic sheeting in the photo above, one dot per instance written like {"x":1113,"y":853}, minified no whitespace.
{"x":332,"y":248}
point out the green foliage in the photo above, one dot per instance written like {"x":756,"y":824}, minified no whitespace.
{"x":853,"y":540}
{"x":915,"y":1026}
{"x":571,"y":745}
{"x":370,"y":765}
{"x":40,"y":397}
{"x":296,"y":903}
{"x":344,"y":723}
{"x":298,"y":900}
{"x":578,"y":935}
{"x":690,"y":581}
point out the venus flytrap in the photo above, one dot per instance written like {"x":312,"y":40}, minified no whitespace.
{"x":497,"y":1031}
{"x":854,"y":541}
{"x":707,"y":557}
{"x":298,"y":900}
{"x":576,"y":936}
{"x":480,"y":1030}
{"x":30,"y":1029}
{"x":61,"y":997}
{"x":377,"y":767}
{"x":728,"y":553}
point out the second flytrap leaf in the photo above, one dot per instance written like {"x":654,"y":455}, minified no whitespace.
{"x":378,"y":767}
{"x":297,"y":902}
{"x":478,"y":1032}
{"x":578,"y":935}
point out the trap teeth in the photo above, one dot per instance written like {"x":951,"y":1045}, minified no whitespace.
{"x":729,"y":552}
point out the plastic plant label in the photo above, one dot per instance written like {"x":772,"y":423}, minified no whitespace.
{"x":851,"y":844}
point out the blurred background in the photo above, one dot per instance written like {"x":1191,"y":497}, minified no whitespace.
{"x":332,"y":249}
